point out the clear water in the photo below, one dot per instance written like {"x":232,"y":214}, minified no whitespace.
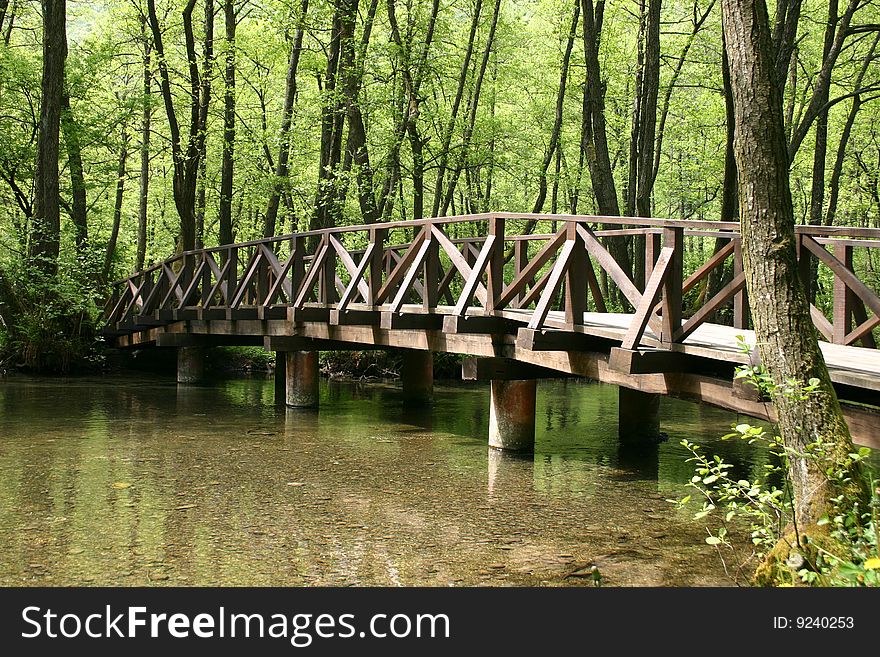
{"x":136,"y":481}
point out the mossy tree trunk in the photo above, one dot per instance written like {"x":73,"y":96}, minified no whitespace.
{"x":786,"y":337}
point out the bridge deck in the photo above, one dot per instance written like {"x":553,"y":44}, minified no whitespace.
{"x":540,"y":299}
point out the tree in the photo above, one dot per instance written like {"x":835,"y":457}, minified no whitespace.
{"x":46,"y":225}
{"x":186,"y":156}
{"x":786,"y":337}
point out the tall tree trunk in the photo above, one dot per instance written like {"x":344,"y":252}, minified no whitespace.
{"x":408,"y":125}
{"x":595,"y":137}
{"x":446,"y":140}
{"x":78,"y":207}
{"x":46,"y":224}
{"x":820,"y":151}
{"x":117,"y":207}
{"x":834,"y":185}
{"x":784,"y":39}
{"x":187,"y":155}
{"x":351,"y":67}
{"x":729,"y":188}
{"x":557,"y":121}
{"x":818,"y":101}
{"x":472,"y":114}
{"x":144,"y":189}
{"x":227,"y":164}
{"x":204,"y":95}
{"x":328,"y":205}
{"x":10,"y":21}
{"x":785,"y":334}
{"x":4,"y":6}
{"x":290,"y":89}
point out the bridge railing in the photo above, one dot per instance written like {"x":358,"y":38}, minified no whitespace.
{"x":418,"y":273}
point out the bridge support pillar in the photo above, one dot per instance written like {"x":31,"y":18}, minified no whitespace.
{"x":417,"y":377}
{"x":301,"y":373}
{"x":280,"y":377}
{"x":190,"y":364}
{"x":512,"y":415}
{"x":638,"y":417}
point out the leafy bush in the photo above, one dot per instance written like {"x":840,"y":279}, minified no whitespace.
{"x":844,"y":552}
{"x":46,"y":325}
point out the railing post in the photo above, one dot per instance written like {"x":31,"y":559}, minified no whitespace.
{"x":672,"y":237}
{"x":652,"y":252}
{"x":205,"y":296}
{"x":575,"y":278}
{"x":843,"y":298}
{"x":495,"y":266}
{"x":231,"y":273}
{"x":431,"y":270}
{"x":298,"y":268}
{"x":740,"y":299}
{"x":376,"y":267}
{"x":520,"y":260}
{"x":804,"y":263}
{"x":263,"y":283}
{"x":327,"y":282}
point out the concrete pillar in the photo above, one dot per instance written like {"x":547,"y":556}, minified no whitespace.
{"x":280,"y":378}
{"x":512,"y":415}
{"x":302,"y":379}
{"x":638,"y":417}
{"x":417,"y":377}
{"x":190,"y":364}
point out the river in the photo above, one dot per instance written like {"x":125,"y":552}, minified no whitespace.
{"x":132,"y":480}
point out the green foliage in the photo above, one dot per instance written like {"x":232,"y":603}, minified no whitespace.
{"x":841,"y":551}
{"x":46,"y":325}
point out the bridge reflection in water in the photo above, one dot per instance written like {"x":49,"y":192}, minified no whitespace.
{"x":523,"y":306}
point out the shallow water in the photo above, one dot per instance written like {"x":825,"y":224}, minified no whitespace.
{"x":136,"y":481}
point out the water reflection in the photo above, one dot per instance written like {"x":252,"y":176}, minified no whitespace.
{"x":136,"y":481}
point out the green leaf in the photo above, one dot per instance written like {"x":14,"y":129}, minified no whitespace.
{"x":713,"y":540}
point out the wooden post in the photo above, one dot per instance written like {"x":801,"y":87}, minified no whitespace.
{"x":843,"y":298}
{"x":576,"y":279}
{"x":327,"y":281}
{"x":652,"y":252}
{"x":376,"y":267}
{"x":190,"y":364}
{"x":280,"y":377}
{"x":512,"y":415}
{"x":495,"y":266}
{"x":740,"y":299}
{"x":671,"y":305}
{"x":302,"y":379}
{"x":417,"y":377}
{"x":232,"y":273}
{"x":431,"y":268}
{"x":520,"y":260}
{"x":638,"y":417}
{"x":803,"y":264}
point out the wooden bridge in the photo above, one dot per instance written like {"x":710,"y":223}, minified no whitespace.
{"x":524,"y":306}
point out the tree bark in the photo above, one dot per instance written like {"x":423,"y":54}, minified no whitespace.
{"x":837,"y":171}
{"x":595,"y":138}
{"x":785,"y":334}
{"x":351,"y":67}
{"x":78,"y":206}
{"x":290,"y":89}
{"x":46,"y":223}
{"x":227,"y":162}
{"x":186,"y":157}
{"x":144,"y":190}
{"x":328,"y":206}
{"x":110,"y":251}
{"x":472,"y":113}
{"x":453,"y":112}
